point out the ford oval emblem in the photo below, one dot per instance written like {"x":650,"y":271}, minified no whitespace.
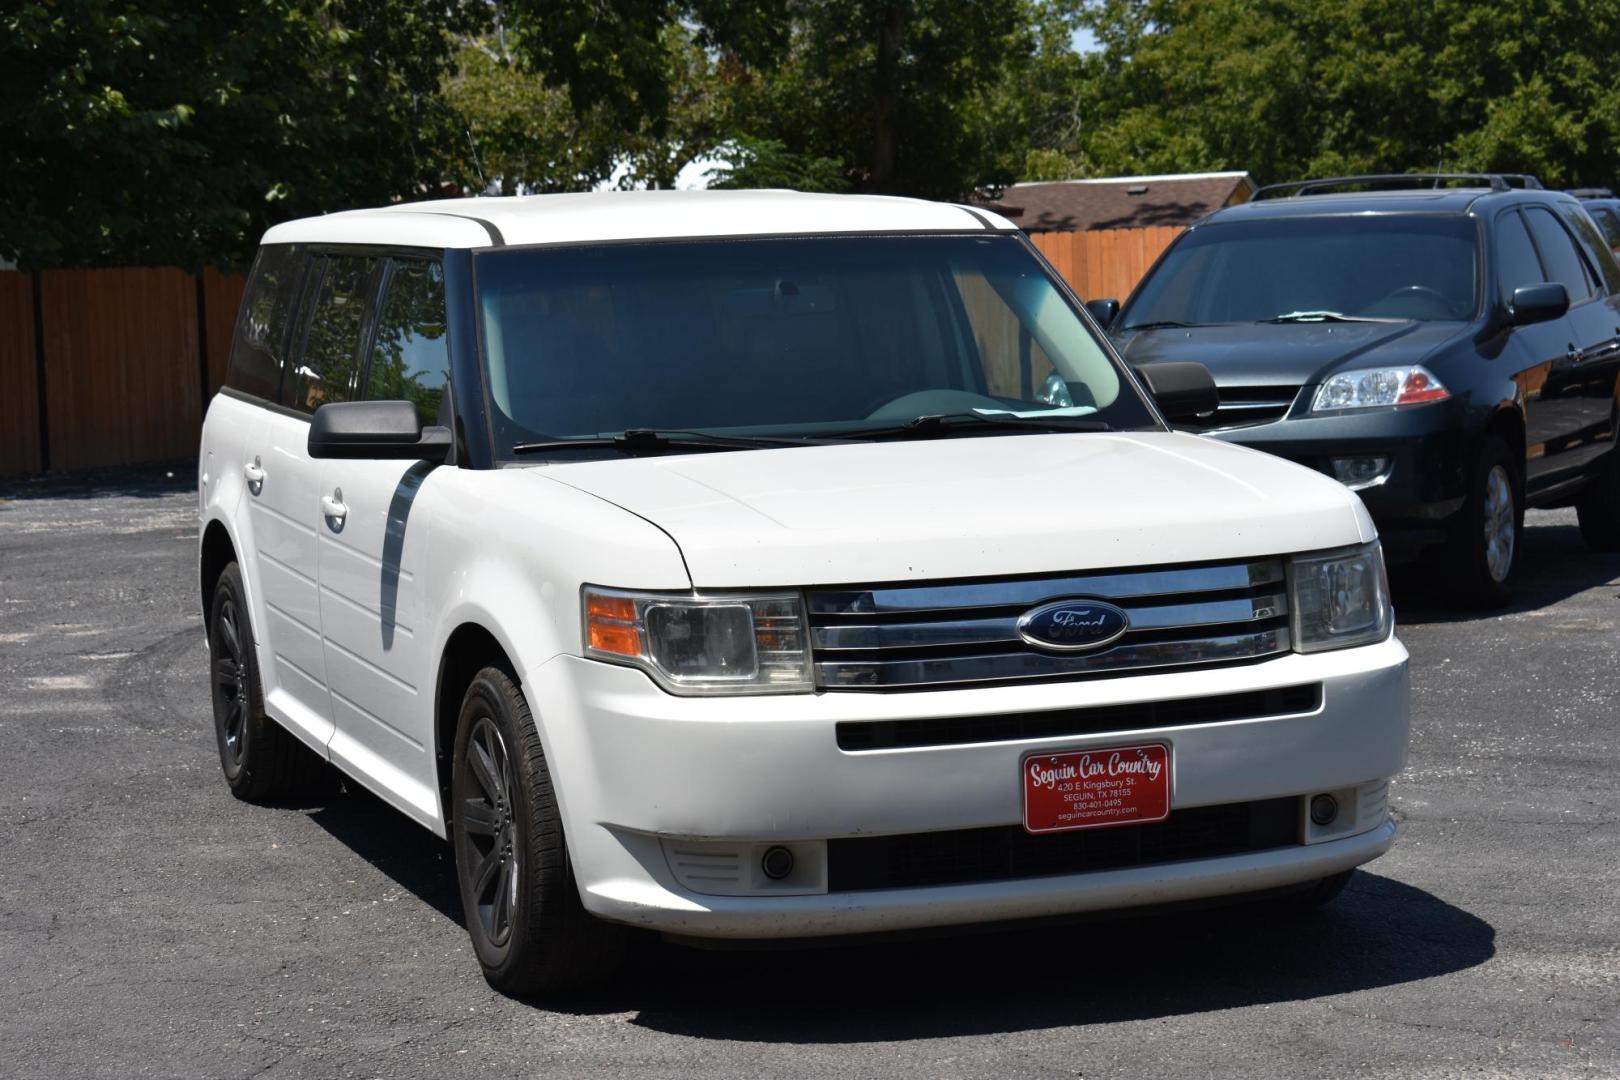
{"x":1073,"y":625}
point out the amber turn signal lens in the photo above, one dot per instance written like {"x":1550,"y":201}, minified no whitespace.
{"x":620,"y":608}
{"x":616,"y":638}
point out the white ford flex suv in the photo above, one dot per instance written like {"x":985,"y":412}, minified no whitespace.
{"x":767,"y":565}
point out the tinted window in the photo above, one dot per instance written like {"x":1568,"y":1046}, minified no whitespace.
{"x":1402,"y":266}
{"x":1594,"y":246}
{"x":263,"y":328}
{"x":1558,"y":253}
{"x":1609,"y":223}
{"x":1516,"y":262}
{"x":411,"y":358}
{"x":797,"y":336}
{"x":342,"y":286}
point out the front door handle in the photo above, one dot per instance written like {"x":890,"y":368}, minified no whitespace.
{"x":253,"y":473}
{"x":333,"y":507}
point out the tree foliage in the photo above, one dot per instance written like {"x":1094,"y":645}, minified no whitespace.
{"x":1292,"y":88}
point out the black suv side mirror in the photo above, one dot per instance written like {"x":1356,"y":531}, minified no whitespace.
{"x":375,"y":429}
{"x":1537,"y":303}
{"x":1184,"y":390}
{"x":1104,"y":311}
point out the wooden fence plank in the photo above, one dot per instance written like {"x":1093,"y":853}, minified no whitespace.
{"x":19,"y":400}
{"x":121,"y":365}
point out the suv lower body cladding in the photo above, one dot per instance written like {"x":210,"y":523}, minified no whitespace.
{"x":857,"y":811}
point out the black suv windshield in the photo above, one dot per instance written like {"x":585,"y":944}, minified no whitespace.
{"x":769,"y":339}
{"x":1304,"y":269}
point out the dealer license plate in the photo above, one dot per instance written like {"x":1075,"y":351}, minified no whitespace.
{"x":1095,"y":789}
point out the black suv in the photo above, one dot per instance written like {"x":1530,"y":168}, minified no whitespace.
{"x":1448,"y":351}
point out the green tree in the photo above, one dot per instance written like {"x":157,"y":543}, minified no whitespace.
{"x":1292,"y":88}
{"x":134,"y":131}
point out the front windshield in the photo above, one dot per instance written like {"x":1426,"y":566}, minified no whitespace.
{"x":1421,"y":267}
{"x":810,"y":337}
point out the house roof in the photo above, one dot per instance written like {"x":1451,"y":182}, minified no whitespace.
{"x":1120,"y":202}
{"x":629,"y":215}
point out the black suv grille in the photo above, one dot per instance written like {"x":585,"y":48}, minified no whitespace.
{"x":1244,"y":405}
{"x":1008,"y":852}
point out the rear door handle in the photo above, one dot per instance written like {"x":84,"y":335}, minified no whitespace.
{"x":333,"y":507}
{"x":253,"y":472}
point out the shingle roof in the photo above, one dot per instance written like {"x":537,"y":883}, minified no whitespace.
{"x":1120,"y":202}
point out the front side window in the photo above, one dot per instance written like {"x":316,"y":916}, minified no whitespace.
{"x":1516,"y":261}
{"x":813,"y":337}
{"x":1422,"y":267}
{"x":262,"y":332}
{"x":410,"y":355}
{"x":1558,"y":253}
{"x":343,"y":286}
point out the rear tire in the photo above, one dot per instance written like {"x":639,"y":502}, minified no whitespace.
{"x":1599,"y":507}
{"x":260,"y":759}
{"x":1483,"y":554}
{"x":530,"y":930}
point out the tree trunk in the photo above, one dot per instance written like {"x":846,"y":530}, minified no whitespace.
{"x":886,"y":96}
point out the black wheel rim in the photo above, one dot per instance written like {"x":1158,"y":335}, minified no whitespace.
{"x":230,"y":681}
{"x":489,"y":851}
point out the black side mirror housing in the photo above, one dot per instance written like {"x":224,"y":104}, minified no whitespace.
{"x":1104,"y":311}
{"x":1537,"y":303}
{"x":1184,"y":390}
{"x":375,"y":429}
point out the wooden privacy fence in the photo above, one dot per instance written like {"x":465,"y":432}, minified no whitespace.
{"x":1104,"y":264}
{"x":109,"y":367}
{"x":115,"y":366}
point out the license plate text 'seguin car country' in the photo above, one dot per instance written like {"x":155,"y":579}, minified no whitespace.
{"x":1091,"y":789}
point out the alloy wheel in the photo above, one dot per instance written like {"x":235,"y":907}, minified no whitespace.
{"x":230,"y":681}
{"x":489,"y":852}
{"x":1500,"y":524}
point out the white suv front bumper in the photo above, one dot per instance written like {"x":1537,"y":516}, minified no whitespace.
{"x":643,"y":776}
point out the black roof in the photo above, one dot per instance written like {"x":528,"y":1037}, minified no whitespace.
{"x":1424,"y":200}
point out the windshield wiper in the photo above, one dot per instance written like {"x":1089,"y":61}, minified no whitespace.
{"x":1161,"y":324}
{"x":950,"y":423}
{"x":1324,"y":316}
{"x":650,"y":441}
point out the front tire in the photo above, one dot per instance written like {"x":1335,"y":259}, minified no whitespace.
{"x":528,"y":927}
{"x":1483,"y":554}
{"x":260,"y":759}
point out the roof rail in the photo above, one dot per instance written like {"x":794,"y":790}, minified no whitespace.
{"x":1430,"y":181}
{"x":1591,"y":192}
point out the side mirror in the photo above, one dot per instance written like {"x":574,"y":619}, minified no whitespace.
{"x":375,"y":429}
{"x":1104,"y":311}
{"x":1537,"y":303}
{"x":1184,"y":390}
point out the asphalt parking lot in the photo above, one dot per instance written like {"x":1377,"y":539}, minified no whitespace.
{"x":151,"y":925}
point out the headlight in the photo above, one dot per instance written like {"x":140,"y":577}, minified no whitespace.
{"x":753,"y":644}
{"x":1370,"y":387}
{"x":1340,"y":599}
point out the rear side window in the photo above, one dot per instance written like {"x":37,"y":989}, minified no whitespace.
{"x":1558,"y":254}
{"x":263,"y":331}
{"x":342,"y":287}
{"x":1595,"y":247}
{"x":1516,"y":262}
{"x":410,"y":356}
{"x":1610,"y":225}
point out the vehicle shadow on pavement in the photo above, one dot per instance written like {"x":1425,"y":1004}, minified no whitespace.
{"x":1380,"y":932}
{"x":1555,"y":565}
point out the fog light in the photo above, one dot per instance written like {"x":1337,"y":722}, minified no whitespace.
{"x":777,"y":862}
{"x":1364,"y":471}
{"x":1324,"y":809}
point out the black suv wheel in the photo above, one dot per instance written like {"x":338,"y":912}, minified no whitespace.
{"x":1483,"y":554}
{"x":1599,"y":508}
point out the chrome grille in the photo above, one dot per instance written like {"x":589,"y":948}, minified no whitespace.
{"x":892,"y":637}
{"x":1244,"y":405}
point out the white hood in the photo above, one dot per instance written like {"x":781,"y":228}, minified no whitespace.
{"x":972,"y":507}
